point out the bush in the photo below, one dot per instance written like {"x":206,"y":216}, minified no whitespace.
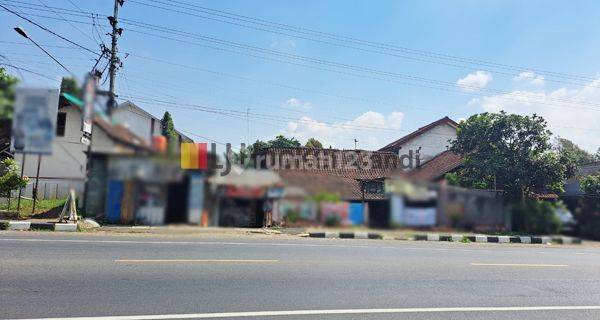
{"x":10,"y":178}
{"x":292,"y":216}
{"x":535,"y":217}
{"x":586,"y":210}
{"x":333,"y":221}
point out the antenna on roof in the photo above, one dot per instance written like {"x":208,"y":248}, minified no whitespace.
{"x":355,"y":141}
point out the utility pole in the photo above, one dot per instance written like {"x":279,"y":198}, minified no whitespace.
{"x":114,"y":59}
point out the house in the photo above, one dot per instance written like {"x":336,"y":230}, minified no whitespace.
{"x":357,"y":176}
{"x":130,"y":131}
{"x":142,"y":123}
{"x":572,"y":187}
{"x":428,"y":142}
{"x":241,"y":197}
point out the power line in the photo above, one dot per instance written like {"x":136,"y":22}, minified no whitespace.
{"x":299,"y":31}
{"x":432,"y":83}
{"x":47,"y":30}
{"x":31,"y":71}
{"x":580,"y":83}
{"x":71,"y":24}
{"x":378,"y":74}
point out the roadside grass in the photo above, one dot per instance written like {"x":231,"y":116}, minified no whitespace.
{"x":41,"y":206}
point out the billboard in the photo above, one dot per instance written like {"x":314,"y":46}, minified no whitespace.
{"x":34,"y":120}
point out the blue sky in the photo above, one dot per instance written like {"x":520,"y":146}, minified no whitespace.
{"x":336,"y":107}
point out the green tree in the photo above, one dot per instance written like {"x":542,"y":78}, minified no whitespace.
{"x":7,"y":94}
{"x":10,"y":177}
{"x":69,"y":85}
{"x":167,"y":126}
{"x":313,"y":143}
{"x":168,"y":131}
{"x":508,"y":152}
{"x":282,"y":142}
{"x":581,"y":156}
{"x":590,"y":185}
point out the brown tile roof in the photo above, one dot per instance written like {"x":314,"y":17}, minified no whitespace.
{"x":437,"y":167}
{"x":314,"y":183}
{"x":353,"y":164}
{"x":445,"y":120}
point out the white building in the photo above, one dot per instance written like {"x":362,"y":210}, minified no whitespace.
{"x":428,"y":141}
{"x":131,"y":130}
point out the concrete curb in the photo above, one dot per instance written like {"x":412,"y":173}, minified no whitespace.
{"x":497,"y":239}
{"x":345,"y":235}
{"x":27,"y":225}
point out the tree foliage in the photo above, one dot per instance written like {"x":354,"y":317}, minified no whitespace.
{"x":10,"y":177}
{"x":313,"y":143}
{"x":572,"y":155}
{"x":168,"y":131}
{"x":282,"y":142}
{"x":167,"y":126}
{"x":69,"y":85}
{"x":508,"y":152}
{"x":590,"y":185}
{"x":7,"y":93}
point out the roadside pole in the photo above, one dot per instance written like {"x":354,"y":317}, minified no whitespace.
{"x":20,"y":189}
{"x":37,"y":180}
{"x":89,"y":99}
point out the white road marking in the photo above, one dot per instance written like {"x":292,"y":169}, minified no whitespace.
{"x":311,"y":245}
{"x":532,"y":265}
{"x":194,"y":261}
{"x":327,"y":312}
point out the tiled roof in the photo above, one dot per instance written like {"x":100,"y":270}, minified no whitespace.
{"x":418,"y":132}
{"x":314,"y":183}
{"x":437,"y":167}
{"x":353,"y":164}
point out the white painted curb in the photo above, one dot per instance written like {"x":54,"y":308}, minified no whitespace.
{"x":503,"y":239}
{"x":331,"y":234}
{"x":456,"y":237}
{"x":68,"y":227}
{"x":433,"y":237}
{"x":480,"y":238}
{"x":361,"y":235}
{"x":19,"y":225}
{"x":525,"y":239}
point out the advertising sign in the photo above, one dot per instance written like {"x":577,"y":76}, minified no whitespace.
{"x":89,"y":97}
{"x":34,"y":120}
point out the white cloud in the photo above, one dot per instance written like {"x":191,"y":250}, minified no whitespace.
{"x":565,"y":118}
{"x":283,"y":44}
{"x":474,"y":81}
{"x":530,"y":77}
{"x":297,"y":103}
{"x":365,"y":128}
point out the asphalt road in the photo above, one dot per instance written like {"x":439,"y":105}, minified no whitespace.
{"x":50,"y":275}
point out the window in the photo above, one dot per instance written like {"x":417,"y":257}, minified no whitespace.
{"x":61,"y":124}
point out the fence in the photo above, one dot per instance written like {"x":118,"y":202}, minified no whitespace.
{"x":50,"y":189}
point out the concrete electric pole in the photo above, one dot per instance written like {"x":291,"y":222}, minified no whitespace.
{"x":114,"y":59}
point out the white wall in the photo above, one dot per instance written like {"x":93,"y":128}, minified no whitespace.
{"x":68,"y":159}
{"x":136,"y":120}
{"x":432,"y":142}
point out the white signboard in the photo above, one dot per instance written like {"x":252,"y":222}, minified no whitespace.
{"x":34,"y":120}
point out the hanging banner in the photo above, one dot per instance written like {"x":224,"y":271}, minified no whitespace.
{"x":34,"y":120}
